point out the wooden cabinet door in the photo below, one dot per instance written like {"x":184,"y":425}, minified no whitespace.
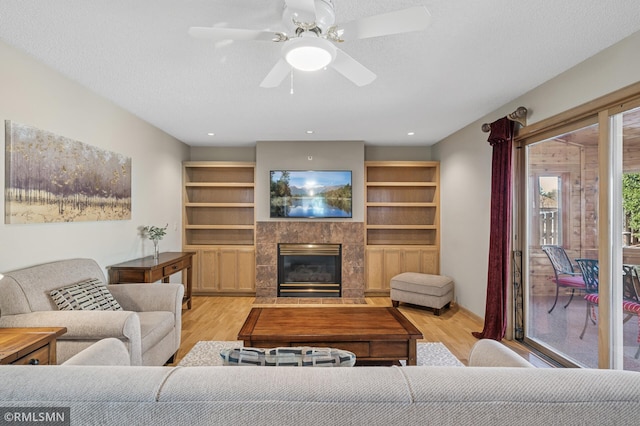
{"x":421,"y":260}
{"x":393,"y":264}
{"x":412,"y":261}
{"x":236,"y":269}
{"x":205,"y":270}
{"x":246,"y":269}
{"x":430,"y":261}
{"x":228,"y":269}
{"x":382,"y":264}
{"x":374,"y":261}
{"x":195,"y":272}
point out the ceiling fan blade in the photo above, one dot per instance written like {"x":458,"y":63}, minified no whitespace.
{"x":219,"y":34}
{"x":305,"y":7}
{"x":278,"y":73}
{"x":352,"y":69}
{"x":401,"y":21}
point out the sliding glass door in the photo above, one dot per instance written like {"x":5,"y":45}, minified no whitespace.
{"x":562,"y":193}
{"x":581,"y":282}
{"x":626,"y":130}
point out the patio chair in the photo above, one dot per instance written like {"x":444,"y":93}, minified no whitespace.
{"x":589,"y":269}
{"x":630,"y":298}
{"x":565,"y":275}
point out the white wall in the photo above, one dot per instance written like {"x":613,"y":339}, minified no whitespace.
{"x":325,"y":155}
{"x":217,"y":153}
{"x":397,"y":153}
{"x":33,"y":94}
{"x":465,"y":163}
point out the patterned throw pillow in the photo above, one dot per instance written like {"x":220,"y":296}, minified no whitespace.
{"x":303,"y":356}
{"x":90,"y":295}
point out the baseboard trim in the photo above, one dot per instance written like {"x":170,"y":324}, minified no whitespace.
{"x":469,"y":313}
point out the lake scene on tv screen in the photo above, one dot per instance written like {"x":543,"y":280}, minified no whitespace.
{"x":310,"y":194}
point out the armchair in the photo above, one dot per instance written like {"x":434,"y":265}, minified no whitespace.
{"x":149,"y":326}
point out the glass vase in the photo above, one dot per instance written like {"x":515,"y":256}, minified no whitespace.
{"x":156,"y":249}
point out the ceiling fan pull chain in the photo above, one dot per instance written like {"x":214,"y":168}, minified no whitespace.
{"x":291,"y":91}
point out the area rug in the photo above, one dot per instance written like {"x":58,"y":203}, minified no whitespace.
{"x":432,"y":354}
{"x":435,"y":354}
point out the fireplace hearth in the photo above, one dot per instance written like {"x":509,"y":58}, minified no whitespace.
{"x":309,"y":270}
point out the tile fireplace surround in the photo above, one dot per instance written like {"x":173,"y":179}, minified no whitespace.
{"x":349,"y":234}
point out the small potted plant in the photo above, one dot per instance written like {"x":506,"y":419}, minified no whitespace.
{"x":155,"y":234}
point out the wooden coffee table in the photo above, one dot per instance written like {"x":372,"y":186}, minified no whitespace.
{"x":376,"y":335}
{"x":33,"y":346}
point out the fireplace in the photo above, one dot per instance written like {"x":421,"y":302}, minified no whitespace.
{"x":309,"y":270}
{"x":350,"y":236}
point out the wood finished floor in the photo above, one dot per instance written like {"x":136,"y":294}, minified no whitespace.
{"x":220,"y":318}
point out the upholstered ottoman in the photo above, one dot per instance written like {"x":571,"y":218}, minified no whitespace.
{"x":432,"y":291}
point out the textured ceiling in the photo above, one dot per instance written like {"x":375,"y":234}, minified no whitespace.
{"x":475,"y":56}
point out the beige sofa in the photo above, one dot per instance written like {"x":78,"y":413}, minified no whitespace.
{"x":150,"y":324}
{"x":482,"y":395}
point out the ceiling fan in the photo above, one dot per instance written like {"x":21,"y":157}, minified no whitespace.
{"x":309,"y":43}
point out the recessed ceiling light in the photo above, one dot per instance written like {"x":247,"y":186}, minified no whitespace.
{"x":411,"y":133}
{"x":309,"y":132}
{"x":211,"y":134}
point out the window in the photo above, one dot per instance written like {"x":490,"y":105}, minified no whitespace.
{"x":549,"y":209}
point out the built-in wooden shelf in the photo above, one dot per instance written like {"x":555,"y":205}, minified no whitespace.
{"x":402,"y":225}
{"x":219,"y":203}
{"x":402,"y":196}
{"x":219,"y":225}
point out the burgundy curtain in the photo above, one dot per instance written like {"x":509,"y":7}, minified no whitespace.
{"x":495,"y":318}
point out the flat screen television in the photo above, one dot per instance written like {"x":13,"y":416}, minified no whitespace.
{"x":310,"y":194}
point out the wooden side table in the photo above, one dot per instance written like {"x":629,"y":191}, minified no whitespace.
{"x":29,"y":346}
{"x":148,"y":270}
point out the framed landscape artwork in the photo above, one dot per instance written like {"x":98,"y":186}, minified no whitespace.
{"x":51,"y":178}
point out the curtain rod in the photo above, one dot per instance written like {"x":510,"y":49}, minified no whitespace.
{"x":519,"y":116}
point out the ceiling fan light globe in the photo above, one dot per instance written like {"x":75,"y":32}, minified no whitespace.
{"x":308,"y":58}
{"x":309,"y":53}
